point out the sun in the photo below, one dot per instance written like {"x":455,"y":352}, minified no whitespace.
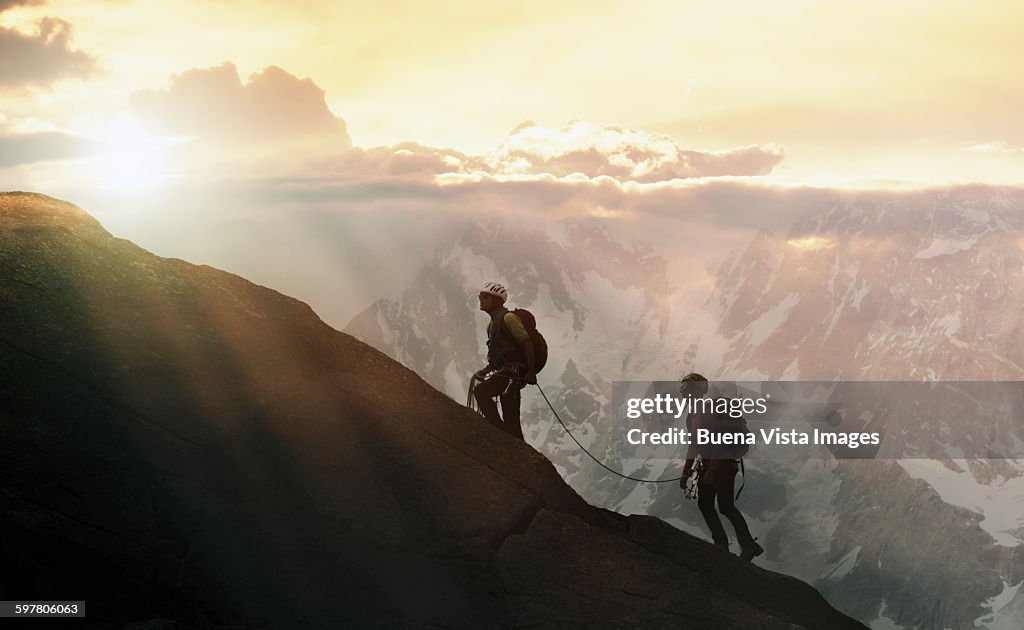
{"x":132,"y":159}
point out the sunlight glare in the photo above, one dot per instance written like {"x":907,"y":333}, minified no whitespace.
{"x":131,"y":161}
{"x":810,"y":243}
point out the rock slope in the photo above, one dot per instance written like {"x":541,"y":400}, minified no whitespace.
{"x":180,"y":444}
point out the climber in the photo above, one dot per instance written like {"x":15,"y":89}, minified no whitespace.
{"x":715,"y":476}
{"x":510,"y":361}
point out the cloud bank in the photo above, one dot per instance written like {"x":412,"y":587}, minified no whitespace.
{"x":576,"y":151}
{"x":10,"y":4}
{"x":39,"y":59}
{"x":596,"y":150}
{"x":273,"y":106}
{"x":28,"y":148}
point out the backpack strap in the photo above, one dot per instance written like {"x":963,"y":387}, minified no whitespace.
{"x":504,"y":326}
{"x":500,"y":328}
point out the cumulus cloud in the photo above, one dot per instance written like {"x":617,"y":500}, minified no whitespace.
{"x":213,"y":103}
{"x":38,"y":59}
{"x":595,"y":150}
{"x":579,"y":169}
{"x":575,"y":152}
{"x":10,"y":4}
{"x":405,"y":160}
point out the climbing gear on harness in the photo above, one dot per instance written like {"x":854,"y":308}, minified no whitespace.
{"x":692,"y":489}
{"x":510,"y":371}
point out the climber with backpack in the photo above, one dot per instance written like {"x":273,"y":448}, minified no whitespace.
{"x":516,"y":351}
{"x":716,"y":471}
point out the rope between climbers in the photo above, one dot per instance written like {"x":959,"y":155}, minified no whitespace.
{"x":471,"y":403}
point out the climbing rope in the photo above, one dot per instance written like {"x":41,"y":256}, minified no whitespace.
{"x":471,"y":403}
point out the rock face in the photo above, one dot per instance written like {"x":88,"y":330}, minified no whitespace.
{"x":181,"y":444}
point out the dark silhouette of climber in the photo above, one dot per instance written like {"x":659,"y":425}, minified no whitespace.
{"x":510,"y":362}
{"x":715,"y":477}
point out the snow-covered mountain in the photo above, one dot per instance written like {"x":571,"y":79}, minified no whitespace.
{"x":878,"y":286}
{"x":882,"y":287}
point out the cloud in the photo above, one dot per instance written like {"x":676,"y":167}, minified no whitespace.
{"x":732,"y":203}
{"x":273,"y":107}
{"x":750,"y":160}
{"x":28,"y":148}
{"x":10,"y":4}
{"x":41,"y":58}
{"x":597,"y":150}
{"x":208,"y":123}
{"x":405,"y":160}
{"x":579,"y":169}
{"x":1000,"y":146}
{"x":575,"y":153}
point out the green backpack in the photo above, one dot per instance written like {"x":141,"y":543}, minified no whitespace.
{"x":540,"y":345}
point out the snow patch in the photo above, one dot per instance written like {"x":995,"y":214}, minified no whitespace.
{"x":882,"y":622}
{"x":945,"y":247}
{"x":859,"y":295}
{"x":1000,"y":617}
{"x":476,"y":269}
{"x":769,"y":322}
{"x":1001,"y":503}
{"x":454,"y":381}
{"x":843,"y":567}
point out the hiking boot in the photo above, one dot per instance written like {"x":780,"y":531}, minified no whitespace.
{"x":751,"y":551}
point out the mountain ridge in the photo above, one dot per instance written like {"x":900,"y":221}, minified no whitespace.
{"x":206,"y":450}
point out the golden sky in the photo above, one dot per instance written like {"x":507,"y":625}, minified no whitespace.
{"x":328,"y":148}
{"x":921,"y":90}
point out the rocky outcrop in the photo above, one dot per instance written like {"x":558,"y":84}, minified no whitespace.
{"x":181,"y":444}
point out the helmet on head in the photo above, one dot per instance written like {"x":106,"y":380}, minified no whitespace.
{"x":495,"y":289}
{"x":693,"y":383}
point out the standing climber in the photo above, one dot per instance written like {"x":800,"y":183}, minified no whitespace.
{"x":715,"y":476}
{"x":510,"y":361}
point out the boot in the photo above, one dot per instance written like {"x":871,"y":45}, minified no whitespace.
{"x":751,"y":551}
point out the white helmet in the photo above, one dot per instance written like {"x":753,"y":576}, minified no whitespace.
{"x":495,"y":289}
